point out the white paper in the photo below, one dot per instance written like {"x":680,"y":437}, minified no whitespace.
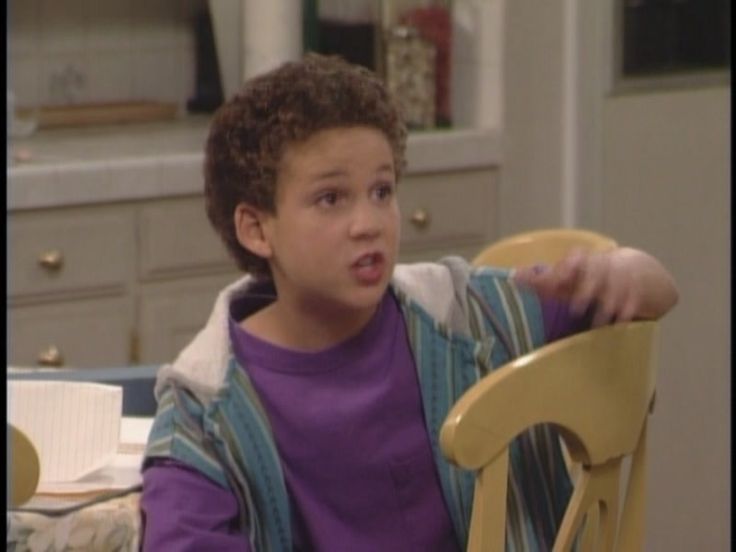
{"x":122,"y":472}
{"x":134,"y":432}
{"x":75,"y":426}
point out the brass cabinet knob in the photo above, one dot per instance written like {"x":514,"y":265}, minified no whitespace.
{"x":420,"y":218}
{"x":51,"y":260}
{"x":51,"y":356}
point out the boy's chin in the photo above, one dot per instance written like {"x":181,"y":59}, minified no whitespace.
{"x":366,"y":297}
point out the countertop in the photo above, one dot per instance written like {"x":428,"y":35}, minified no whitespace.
{"x":54,"y":168}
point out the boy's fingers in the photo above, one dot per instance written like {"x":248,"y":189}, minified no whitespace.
{"x":607,"y":309}
{"x":601,"y":318}
{"x":590,"y":286}
{"x":571,"y":265}
{"x":627,"y":312}
{"x":618,"y":304}
{"x":584,"y":295}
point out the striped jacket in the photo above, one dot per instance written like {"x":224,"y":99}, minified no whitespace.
{"x":461,"y":322}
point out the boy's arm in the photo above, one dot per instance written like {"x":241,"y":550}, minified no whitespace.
{"x":622,"y":284}
{"x":184,"y":510}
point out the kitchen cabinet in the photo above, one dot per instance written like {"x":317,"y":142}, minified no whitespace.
{"x":112,"y":260}
{"x":79,"y":281}
{"x":182,"y":266}
{"x":131,"y":282}
{"x":69,"y":273}
{"x":446,"y":213}
{"x":71,"y":332}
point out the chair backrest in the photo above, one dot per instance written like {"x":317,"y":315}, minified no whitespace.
{"x":540,"y":246}
{"x":597,"y":387}
{"x":24,"y":469}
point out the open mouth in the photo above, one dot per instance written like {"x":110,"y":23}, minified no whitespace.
{"x":368,"y":269}
{"x":367,"y":260}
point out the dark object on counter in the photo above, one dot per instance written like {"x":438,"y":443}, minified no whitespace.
{"x":355,"y":42}
{"x":310,"y":22}
{"x":208,"y":94}
{"x":346,"y":28}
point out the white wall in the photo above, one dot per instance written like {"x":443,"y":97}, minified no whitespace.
{"x":653,"y":170}
{"x":529,"y":193}
{"x":667,"y":189}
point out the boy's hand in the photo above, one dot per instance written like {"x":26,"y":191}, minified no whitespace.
{"x":624,"y":284}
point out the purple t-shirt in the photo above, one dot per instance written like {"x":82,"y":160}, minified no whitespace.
{"x":351,"y":435}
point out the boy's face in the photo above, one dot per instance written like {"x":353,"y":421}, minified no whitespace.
{"x":334,"y":238}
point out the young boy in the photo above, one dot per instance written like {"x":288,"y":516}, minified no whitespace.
{"x":306,"y":414}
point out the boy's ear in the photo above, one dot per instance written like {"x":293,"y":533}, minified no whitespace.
{"x":249,"y":228}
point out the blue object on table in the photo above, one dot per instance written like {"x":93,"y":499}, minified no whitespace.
{"x":137,"y":383}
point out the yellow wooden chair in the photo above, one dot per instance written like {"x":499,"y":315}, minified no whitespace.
{"x":597,"y":388}
{"x":23,"y":466}
{"x":540,"y":246}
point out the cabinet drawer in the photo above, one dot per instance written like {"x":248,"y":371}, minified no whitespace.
{"x":86,"y":333}
{"x":441,"y":210}
{"x":176,"y":236}
{"x":69,"y":251}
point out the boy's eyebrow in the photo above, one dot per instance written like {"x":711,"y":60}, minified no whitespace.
{"x":386,"y":167}
{"x":329,"y":174}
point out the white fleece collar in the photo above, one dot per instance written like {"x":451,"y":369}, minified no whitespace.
{"x":202,"y":365}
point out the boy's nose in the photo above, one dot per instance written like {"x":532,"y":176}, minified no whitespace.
{"x":366,"y":222}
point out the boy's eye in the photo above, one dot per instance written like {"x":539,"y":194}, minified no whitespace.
{"x":384,"y":191}
{"x":328,"y":198}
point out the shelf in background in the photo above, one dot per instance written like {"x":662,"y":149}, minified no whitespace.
{"x":133,"y":162}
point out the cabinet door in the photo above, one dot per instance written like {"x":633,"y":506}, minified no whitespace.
{"x":85,"y":333}
{"x":176,"y":239}
{"x":448,"y":213}
{"x":172,"y":313}
{"x":60,"y":252}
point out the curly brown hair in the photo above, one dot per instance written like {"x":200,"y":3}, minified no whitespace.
{"x":250,"y":132}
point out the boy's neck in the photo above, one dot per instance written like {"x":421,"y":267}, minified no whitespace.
{"x":305,"y":329}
